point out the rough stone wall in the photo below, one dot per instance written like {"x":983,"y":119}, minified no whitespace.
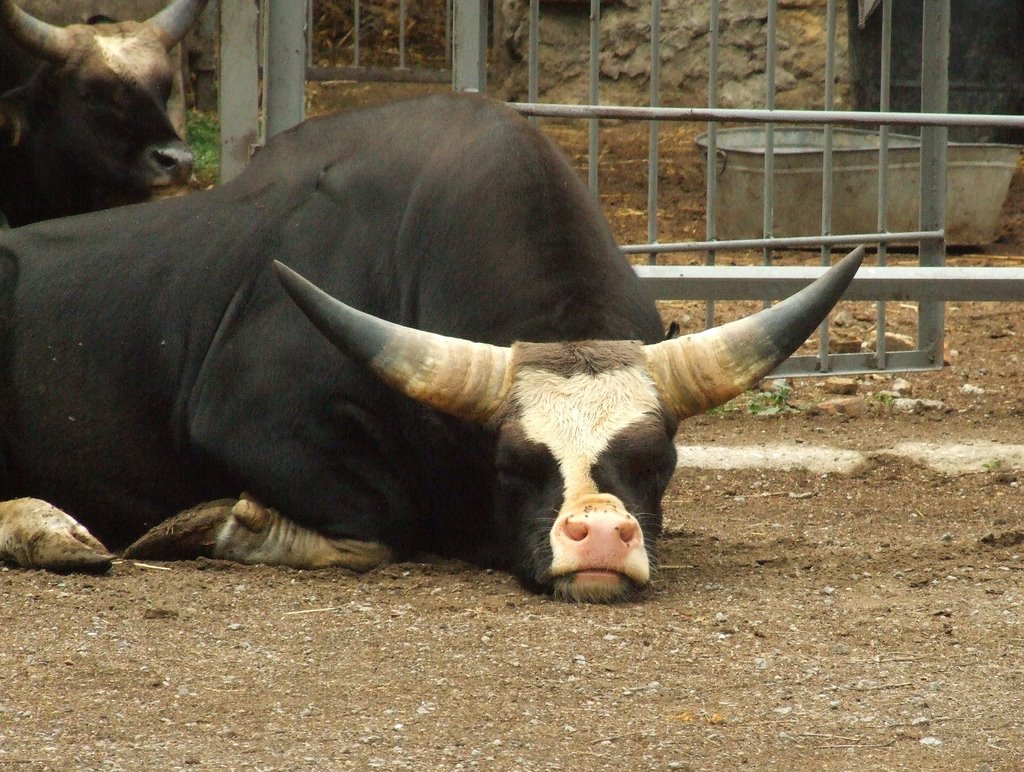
{"x":563,"y":52}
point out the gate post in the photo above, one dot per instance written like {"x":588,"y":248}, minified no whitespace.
{"x":284,"y":65}
{"x":935,"y":31}
{"x":469,"y":60}
{"x":238,"y":84}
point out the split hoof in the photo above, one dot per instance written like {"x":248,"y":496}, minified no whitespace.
{"x":35,"y":534}
{"x":188,"y":535}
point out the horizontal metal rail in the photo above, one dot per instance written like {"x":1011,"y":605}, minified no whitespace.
{"x":724,"y":114}
{"x":784,"y":242}
{"x":891,"y":283}
{"x":378,"y":74}
{"x":853,"y":364}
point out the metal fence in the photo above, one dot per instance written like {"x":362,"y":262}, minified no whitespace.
{"x":928,"y":283}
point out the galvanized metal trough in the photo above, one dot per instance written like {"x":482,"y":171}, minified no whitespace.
{"x":978,"y":180}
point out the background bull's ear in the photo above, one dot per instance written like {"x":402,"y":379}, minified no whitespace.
{"x":12,"y":121}
{"x":672,"y":331}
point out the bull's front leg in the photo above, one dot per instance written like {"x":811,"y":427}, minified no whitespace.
{"x":247,"y":532}
{"x":34,"y":534}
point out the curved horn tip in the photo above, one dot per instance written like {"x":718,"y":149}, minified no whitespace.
{"x":814,"y":301}
{"x":699,"y":371}
{"x":45,"y":40}
{"x":174,"y":21}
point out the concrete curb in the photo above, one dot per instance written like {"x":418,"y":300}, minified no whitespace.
{"x":948,"y":458}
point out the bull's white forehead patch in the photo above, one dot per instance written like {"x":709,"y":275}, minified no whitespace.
{"x":128,"y":57}
{"x":576,"y":417}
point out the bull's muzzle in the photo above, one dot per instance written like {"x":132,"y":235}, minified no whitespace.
{"x":598,"y":551}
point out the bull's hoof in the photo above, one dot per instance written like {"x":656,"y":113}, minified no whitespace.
{"x":245,"y":531}
{"x":188,"y":535}
{"x":34,"y":534}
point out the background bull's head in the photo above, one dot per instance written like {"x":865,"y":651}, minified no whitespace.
{"x":91,"y":123}
{"x":585,"y":430}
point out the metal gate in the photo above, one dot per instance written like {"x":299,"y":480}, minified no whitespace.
{"x":929,"y":283}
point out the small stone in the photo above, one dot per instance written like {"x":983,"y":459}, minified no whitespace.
{"x":843,"y":344}
{"x":902,"y":387}
{"x":894,"y":341}
{"x":906,"y":405}
{"x":848,"y":406}
{"x":931,"y":742}
{"x":842,"y":318}
{"x":969,"y":388}
{"x":840,"y":386}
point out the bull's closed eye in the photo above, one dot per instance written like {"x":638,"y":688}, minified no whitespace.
{"x":524,"y":462}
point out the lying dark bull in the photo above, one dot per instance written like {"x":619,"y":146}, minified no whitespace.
{"x":83,"y":112}
{"x":166,"y":366}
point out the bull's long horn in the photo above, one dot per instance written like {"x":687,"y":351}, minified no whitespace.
{"x":698,"y":372}
{"x":174,"y":21}
{"x":467,"y":379}
{"x":41,"y":38}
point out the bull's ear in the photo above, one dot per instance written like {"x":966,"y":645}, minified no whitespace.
{"x":12,"y":122}
{"x":698,"y":372}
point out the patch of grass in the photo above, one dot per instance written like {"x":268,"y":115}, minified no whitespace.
{"x":771,"y":402}
{"x":993,"y":465}
{"x":203,"y":136}
{"x":886,"y":399}
{"x":728,"y":407}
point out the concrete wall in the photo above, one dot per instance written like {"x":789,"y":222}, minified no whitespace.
{"x":625,"y":52}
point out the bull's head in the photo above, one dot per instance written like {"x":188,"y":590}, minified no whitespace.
{"x":100,"y":97}
{"x":584,"y":430}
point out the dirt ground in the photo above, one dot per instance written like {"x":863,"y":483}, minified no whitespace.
{"x":799,"y":619}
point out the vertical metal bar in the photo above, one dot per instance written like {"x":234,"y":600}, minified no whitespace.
{"x":402,"y":11}
{"x":768,"y":212}
{"x":469,"y":63}
{"x":595,"y":44}
{"x":827,"y":167}
{"x":934,"y":99}
{"x":881,"y":354}
{"x":309,"y":32}
{"x":447,"y":34}
{"x":355,"y":33}
{"x":238,"y":79}
{"x":284,"y":66}
{"x":652,"y":128}
{"x":533,"y":42}
{"x":711,"y":199}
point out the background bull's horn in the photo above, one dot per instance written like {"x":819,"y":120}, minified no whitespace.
{"x":41,"y":38}
{"x":174,"y":21}
{"x":467,"y":379}
{"x":698,"y":372}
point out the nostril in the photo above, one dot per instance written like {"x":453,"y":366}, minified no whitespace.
{"x":627,"y":530}
{"x":166,"y":161}
{"x":170,"y":162}
{"x":575,"y":529}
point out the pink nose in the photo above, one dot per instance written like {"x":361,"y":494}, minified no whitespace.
{"x":598,"y":539}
